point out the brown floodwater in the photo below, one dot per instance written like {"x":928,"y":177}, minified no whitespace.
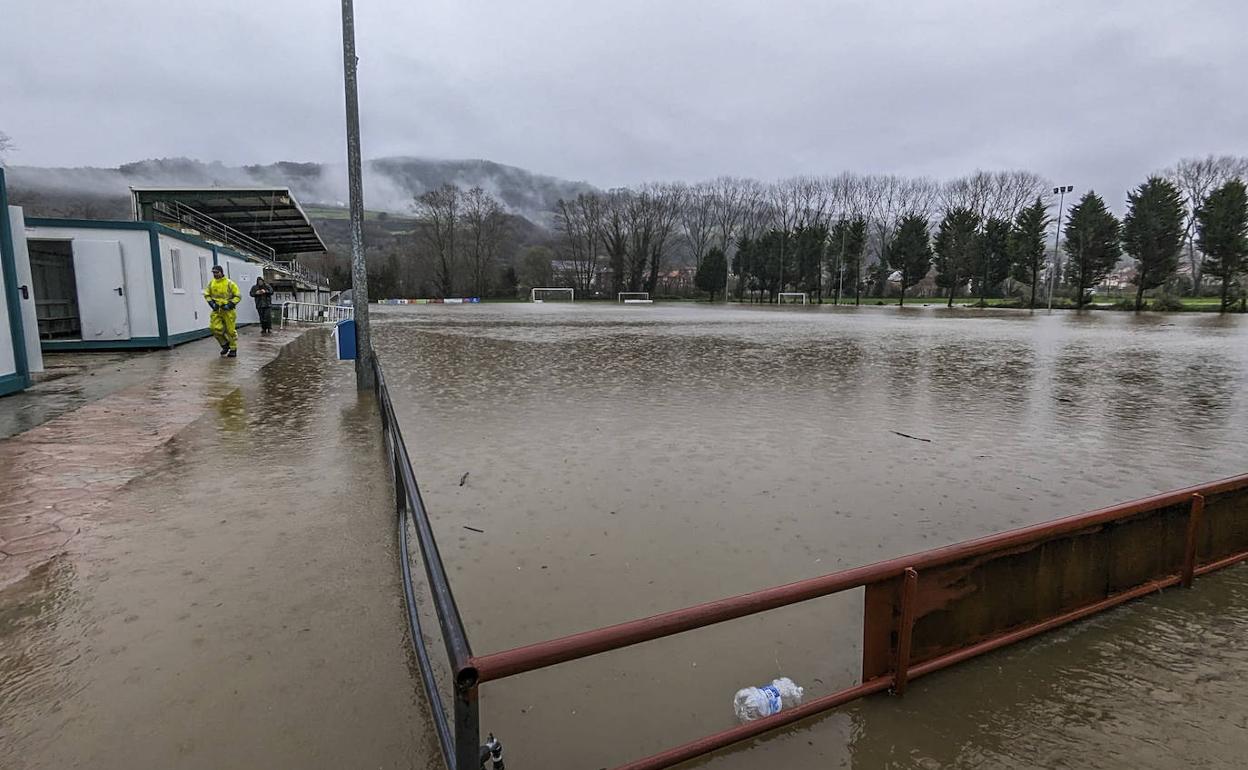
{"x":239,"y":605}
{"x":624,"y":461}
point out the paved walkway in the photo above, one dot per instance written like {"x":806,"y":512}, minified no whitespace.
{"x":233,"y":599}
{"x":90,"y":431}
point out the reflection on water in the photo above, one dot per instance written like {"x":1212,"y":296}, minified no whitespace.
{"x":625,"y":461}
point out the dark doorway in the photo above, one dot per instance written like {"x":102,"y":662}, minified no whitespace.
{"x":56,"y":290}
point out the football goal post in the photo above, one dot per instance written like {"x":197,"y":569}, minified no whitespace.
{"x":634,"y":297}
{"x":556,"y":293}
{"x":793,"y":297}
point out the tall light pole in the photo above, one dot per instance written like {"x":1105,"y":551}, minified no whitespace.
{"x":364,"y":378}
{"x":1057,"y":238}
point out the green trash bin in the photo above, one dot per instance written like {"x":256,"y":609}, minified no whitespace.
{"x":275,"y":316}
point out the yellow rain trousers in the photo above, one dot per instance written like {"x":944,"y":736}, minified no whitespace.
{"x":221,"y":323}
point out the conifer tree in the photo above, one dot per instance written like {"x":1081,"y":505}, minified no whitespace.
{"x":1027,"y":244}
{"x":956,"y":241}
{"x":1152,"y":234}
{"x":1222,"y":233}
{"x":910,"y":251}
{"x":1092,"y":245}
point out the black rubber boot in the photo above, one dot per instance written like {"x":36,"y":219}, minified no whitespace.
{"x":232,"y":354}
{"x":225,"y":349}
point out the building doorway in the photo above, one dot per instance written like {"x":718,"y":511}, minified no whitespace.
{"x":56,"y":289}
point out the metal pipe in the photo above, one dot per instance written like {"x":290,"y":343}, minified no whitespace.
{"x":1222,"y":563}
{"x":542,"y":654}
{"x":726,"y":738}
{"x":682,"y":753}
{"x":453,"y":634}
{"x":467,"y":729}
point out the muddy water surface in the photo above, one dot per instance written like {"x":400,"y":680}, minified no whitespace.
{"x":626,"y":461}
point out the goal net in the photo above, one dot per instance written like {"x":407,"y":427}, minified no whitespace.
{"x":634,"y":297}
{"x":547,"y":294}
{"x":792,"y":297}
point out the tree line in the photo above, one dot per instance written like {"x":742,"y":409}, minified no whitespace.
{"x":843,"y":235}
{"x":987,"y":234}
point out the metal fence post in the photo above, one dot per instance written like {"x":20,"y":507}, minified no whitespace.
{"x":1195,"y":513}
{"x":467,"y":728}
{"x":905,"y":629}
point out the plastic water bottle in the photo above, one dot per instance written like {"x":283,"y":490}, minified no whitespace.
{"x":753,"y":703}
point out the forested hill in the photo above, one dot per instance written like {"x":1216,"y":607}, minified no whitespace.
{"x":390,"y":184}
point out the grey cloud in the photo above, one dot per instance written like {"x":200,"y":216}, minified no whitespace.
{"x":1097,"y":94}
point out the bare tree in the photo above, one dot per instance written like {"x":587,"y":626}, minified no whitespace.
{"x":651,"y":215}
{"x":991,"y":194}
{"x":439,"y":213}
{"x":6,"y":146}
{"x":613,"y":232}
{"x":579,"y":224}
{"x":1015,"y":190}
{"x":1196,"y":178}
{"x":484,"y":224}
{"x":697,"y":219}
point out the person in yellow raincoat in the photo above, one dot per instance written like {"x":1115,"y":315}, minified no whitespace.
{"x":223,"y":296}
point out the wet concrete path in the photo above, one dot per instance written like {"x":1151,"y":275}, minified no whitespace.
{"x":80,"y":435}
{"x":232,"y":599}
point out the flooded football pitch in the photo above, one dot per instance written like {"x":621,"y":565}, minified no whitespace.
{"x":584,"y":464}
{"x":624,"y":461}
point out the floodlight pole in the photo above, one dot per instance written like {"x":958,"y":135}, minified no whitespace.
{"x":364,"y":378}
{"x":1057,"y":238}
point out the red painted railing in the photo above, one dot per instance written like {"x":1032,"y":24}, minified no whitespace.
{"x":926,"y":611}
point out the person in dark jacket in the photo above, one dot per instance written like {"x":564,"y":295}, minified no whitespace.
{"x":262,"y":292}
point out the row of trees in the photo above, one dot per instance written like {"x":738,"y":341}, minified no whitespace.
{"x":835,"y":236}
{"x":462,"y":232}
{"x":626,"y":237}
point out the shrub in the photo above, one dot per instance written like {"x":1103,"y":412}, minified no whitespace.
{"x":1166,"y":303}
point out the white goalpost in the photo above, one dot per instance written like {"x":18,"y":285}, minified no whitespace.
{"x":539,"y":294}
{"x":634,"y":298}
{"x":795,"y":297}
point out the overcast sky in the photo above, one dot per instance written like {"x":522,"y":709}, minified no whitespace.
{"x":1095,"y":94}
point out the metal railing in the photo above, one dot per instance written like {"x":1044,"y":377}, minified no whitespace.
{"x":311,"y":312}
{"x":922,"y":613}
{"x":294,"y":268}
{"x":460,"y":740}
{"x":183,"y":216}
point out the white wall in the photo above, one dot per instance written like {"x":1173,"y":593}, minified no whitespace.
{"x":185,"y":308}
{"x":136,"y":253}
{"x":244,"y":274}
{"x":30,"y":318}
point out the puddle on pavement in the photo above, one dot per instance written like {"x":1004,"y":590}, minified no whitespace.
{"x":627,"y":461}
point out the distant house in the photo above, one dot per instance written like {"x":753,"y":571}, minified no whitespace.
{"x":569,"y":272}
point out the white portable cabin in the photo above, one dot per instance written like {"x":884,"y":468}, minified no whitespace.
{"x":107,"y":285}
{"x":19,"y":344}
{"x":139,"y":284}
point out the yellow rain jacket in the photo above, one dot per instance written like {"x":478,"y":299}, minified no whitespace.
{"x":221,"y":323}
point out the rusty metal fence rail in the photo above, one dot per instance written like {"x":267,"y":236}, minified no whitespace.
{"x":922,"y":613}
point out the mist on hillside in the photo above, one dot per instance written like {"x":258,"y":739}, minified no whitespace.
{"x":390,"y":184}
